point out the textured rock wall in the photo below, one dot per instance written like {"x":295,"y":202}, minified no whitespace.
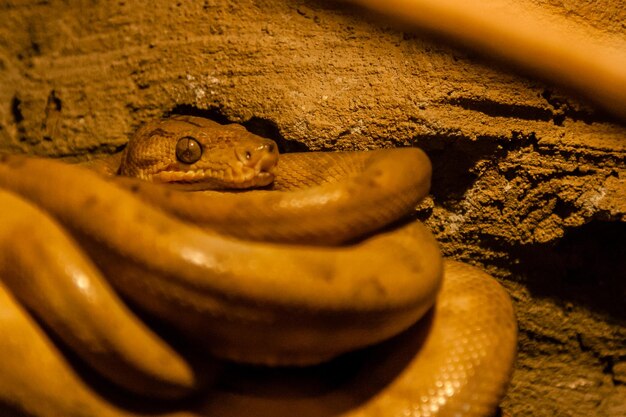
{"x":529,"y":182}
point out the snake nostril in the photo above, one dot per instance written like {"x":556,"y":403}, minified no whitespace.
{"x":258,"y":154}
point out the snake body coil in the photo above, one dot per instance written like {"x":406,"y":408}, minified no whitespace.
{"x":248,"y":301}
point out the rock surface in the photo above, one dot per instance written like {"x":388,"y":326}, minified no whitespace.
{"x":529,"y":182}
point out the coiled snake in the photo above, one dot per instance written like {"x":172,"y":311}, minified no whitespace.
{"x":200,"y":263}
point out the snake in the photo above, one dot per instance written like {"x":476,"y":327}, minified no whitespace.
{"x":300,"y":272}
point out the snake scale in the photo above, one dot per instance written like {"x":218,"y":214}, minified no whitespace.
{"x":229,"y":273}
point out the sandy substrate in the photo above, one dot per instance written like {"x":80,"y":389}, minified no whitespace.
{"x":529,"y":181}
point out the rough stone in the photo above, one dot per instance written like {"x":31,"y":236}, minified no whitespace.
{"x":529,"y":182}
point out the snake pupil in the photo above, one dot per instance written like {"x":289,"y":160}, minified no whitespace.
{"x":188,"y":150}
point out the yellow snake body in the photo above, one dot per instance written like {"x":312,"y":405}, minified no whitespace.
{"x":244,"y":300}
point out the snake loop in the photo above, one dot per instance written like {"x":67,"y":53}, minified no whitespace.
{"x":182,"y":258}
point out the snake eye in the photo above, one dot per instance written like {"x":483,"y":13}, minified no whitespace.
{"x":188,"y":150}
{"x":248,"y":155}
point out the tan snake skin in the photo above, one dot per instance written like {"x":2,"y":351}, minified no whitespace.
{"x":67,"y":228}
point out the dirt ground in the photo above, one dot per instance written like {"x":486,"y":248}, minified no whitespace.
{"x":529,"y":181}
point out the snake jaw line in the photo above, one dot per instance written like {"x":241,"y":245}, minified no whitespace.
{"x":238,"y":177}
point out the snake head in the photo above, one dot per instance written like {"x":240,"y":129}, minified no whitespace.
{"x":198,"y":154}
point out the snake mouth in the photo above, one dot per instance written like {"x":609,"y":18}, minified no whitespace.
{"x":250,"y":177}
{"x":238,"y":176}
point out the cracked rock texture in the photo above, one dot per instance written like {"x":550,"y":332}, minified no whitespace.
{"x":529,"y":182}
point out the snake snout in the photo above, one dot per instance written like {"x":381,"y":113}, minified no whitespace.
{"x":262,"y":157}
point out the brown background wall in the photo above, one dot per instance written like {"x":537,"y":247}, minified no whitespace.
{"x":528,"y":182}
